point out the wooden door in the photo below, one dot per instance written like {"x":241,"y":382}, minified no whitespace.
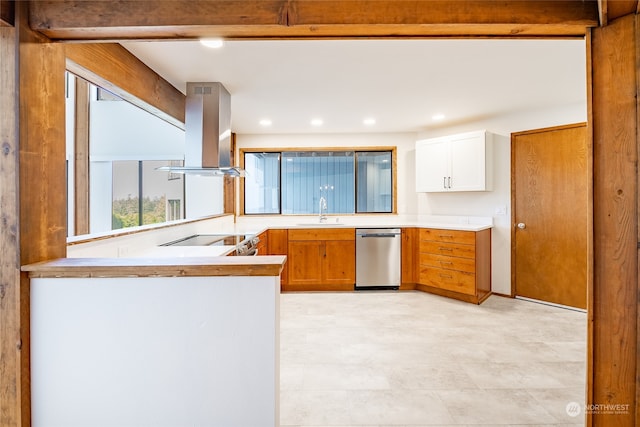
{"x":305,"y":259}
{"x":550,"y":206}
{"x":277,"y":245}
{"x":339,"y":270}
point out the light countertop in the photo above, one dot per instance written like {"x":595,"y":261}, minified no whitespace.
{"x":254,"y":225}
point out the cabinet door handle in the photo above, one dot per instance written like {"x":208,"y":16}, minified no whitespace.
{"x":444,"y":182}
{"x":449,"y":182}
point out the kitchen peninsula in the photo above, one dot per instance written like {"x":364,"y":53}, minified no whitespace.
{"x":144,"y":341}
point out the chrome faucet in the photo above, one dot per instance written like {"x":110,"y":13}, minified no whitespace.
{"x":322,"y":211}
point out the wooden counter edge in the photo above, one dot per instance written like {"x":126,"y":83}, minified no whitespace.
{"x":158,"y":267}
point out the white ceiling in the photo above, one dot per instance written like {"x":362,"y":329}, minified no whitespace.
{"x":400,"y":83}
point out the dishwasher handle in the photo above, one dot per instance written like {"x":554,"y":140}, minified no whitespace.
{"x":378,"y":235}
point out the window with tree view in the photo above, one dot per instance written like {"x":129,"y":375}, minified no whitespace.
{"x":292,"y":182}
{"x":142,"y":195}
{"x":113,"y":151}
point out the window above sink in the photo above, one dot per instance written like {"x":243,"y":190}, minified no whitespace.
{"x":296,"y":182}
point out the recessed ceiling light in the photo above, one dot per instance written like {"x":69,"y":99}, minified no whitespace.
{"x":369,"y":121}
{"x":265,"y":122}
{"x":438,"y":117}
{"x":317,"y":122}
{"x":212,"y":43}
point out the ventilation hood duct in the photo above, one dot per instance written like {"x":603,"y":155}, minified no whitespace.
{"x":207,"y":132}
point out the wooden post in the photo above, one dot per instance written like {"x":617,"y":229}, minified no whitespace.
{"x":10,"y":402}
{"x":613,"y":338}
{"x":32,"y":196}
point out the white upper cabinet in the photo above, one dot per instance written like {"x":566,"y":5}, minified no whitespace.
{"x":455,"y":163}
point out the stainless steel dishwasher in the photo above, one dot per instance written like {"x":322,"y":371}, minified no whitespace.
{"x":378,"y":258}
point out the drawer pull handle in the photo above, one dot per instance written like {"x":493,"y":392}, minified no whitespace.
{"x":446,"y":276}
{"x":446,"y":263}
{"x":448,"y":236}
{"x":445,"y":249}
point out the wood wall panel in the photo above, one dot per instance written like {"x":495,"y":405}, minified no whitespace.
{"x":613,"y":326}
{"x":10,"y":402}
{"x":111,"y":66}
{"x":229,"y":186}
{"x":43,"y":230}
{"x":119,"y":20}
{"x":81,"y":158}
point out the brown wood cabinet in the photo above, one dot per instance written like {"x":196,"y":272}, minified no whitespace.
{"x":263,"y":244}
{"x":409,"y":256}
{"x":455,"y":264}
{"x":277,"y":241}
{"x":321,"y":259}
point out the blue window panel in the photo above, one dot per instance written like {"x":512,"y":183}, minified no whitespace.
{"x":374,"y":184}
{"x":262,"y":183}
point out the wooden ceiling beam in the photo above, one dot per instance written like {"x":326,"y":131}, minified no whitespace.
{"x":7,"y":13}
{"x":112,"y":67}
{"x":608,"y":10}
{"x":619,"y":8}
{"x":177,"y":19}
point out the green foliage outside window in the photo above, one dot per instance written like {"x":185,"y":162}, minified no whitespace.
{"x":126,"y":211}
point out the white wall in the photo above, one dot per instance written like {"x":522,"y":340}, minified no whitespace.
{"x":155,"y":351}
{"x":405,"y":143}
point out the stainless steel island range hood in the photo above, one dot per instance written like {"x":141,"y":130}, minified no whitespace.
{"x":207,"y":132}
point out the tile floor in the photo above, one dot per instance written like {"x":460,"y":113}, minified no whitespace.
{"x":414,"y":359}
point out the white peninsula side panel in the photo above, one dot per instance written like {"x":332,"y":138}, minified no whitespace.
{"x":155,"y":351}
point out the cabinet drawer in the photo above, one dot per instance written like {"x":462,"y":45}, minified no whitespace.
{"x":448,"y":262}
{"x":440,"y":235}
{"x":447,"y":249}
{"x":457,"y":281}
{"x":322,"y":234}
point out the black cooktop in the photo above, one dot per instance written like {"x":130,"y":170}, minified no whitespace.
{"x":209,"y":240}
